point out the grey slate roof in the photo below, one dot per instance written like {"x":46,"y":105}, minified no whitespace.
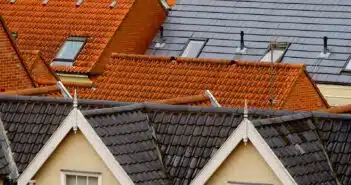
{"x":4,"y":162}
{"x":299,"y":22}
{"x":30,"y":121}
{"x":305,"y":143}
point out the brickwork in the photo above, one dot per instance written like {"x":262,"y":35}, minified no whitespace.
{"x":305,"y":93}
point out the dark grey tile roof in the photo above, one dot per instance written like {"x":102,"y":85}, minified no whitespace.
{"x":301,"y":23}
{"x":186,"y":137}
{"x":305,"y":143}
{"x":30,"y":121}
{"x":130,"y":139}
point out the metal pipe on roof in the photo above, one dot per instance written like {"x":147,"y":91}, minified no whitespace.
{"x":242,"y":44}
{"x":325,"y":45}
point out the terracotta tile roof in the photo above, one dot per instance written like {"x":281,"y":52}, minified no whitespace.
{"x":138,"y":78}
{"x":171,"y":2}
{"x":45,"y":28}
{"x":344,"y":109}
{"x":195,"y":100}
{"x":14,"y":74}
{"x":39,"y":69}
{"x":51,"y":90}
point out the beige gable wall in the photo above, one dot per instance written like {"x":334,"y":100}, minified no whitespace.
{"x":336,"y":94}
{"x":245,"y":164}
{"x":74,"y":153}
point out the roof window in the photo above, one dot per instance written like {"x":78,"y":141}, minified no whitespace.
{"x":194,"y":48}
{"x":69,"y":51}
{"x":275,"y":52}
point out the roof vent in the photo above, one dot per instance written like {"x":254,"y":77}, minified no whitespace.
{"x":113,"y":4}
{"x":45,"y":2}
{"x":79,"y":2}
{"x":14,"y":35}
{"x":241,"y":49}
{"x":161,"y":43}
{"x":325,"y":53}
{"x":12,"y":1}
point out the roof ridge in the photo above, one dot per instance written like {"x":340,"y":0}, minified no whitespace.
{"x":112,"y":110}
{"x":203,"y":60}
{"x":14,"y":46}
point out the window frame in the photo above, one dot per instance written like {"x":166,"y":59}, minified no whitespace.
{"x":72,"y":39}
{"x":194,"y":39}
{"x":269,"y":48}
{"x":64,"y":174}
{"x":246,"y":183}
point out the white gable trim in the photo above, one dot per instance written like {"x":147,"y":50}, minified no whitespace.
{"x":75,"y":119}
{"x":245,"y":130}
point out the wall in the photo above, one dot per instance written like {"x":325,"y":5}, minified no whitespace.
{"x":245,"y":164}
{"x":74,"y":153}
{"x":136,"y":32}
{"x":304,"y":96}
{"x":336,"y":94}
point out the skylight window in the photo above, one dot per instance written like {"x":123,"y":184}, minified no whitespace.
{"x":194,"y":48}
{"x":69,"y":51}
{"x":276,"y":52}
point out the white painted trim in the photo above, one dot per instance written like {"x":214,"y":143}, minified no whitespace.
{"x":245,"y":128}
{"x":165,"y":5}
{"x":47,"y":150}
{"x":63,"y":90}
{"x":105,"y":154}
{"x":75,"y":117}
{"x":213,"y":100}
{"x":72,"y":75}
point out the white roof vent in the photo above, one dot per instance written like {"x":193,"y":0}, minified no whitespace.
{"x":113,"y":4}
{"x":79,"y":2}
{"x":12,"y":1}
{"x":45,"y":2}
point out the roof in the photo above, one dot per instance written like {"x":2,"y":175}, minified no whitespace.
{"x":30,"y":121}
{"x":39,"y":69}
{"x":140,"y":78}
{"x":14,"y":73}
{"x":306,"y":143}
{"x":45,"y":90}
{"x":187,"y":138}
{"x":301,"y":23}
{"x":93,"y":19}
{"x":163,"y":143}
{"x":196,"y":100}
{"x":131,"y":140}
{"x":344,"y":109}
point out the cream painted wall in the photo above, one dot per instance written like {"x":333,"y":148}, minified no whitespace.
{"x":244,"y":164}
{"x":74,"y":153}
{"x":336,"y":94}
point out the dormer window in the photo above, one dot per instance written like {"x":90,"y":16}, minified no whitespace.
{"x":194,"y":48}
{"x":276,"y":52}
{"x":69,"y":51}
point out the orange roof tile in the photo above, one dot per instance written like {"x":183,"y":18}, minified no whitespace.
{"x":47,"y":90}
{"x":171,"y":2}
{"x":137,"y":78}
{"x":196,"y":100}
{"x":41,"y":71}
{"x":339,"y":109}
{"x":14,"y":74}
{"x":45,"y":28}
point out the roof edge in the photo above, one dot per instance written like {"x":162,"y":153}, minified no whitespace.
{"x":202,"y":60}
{"x":14,"y":46}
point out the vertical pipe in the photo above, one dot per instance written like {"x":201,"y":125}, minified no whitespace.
{"x":325,"y":45}
{"x":242,"y":44}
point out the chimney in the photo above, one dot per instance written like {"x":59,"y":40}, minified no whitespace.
{"x":241,"y":49}
{"x":325,"y":53}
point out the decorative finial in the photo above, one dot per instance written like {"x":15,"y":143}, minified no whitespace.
{"x":246,"y":110}
{"x":75,"y":101}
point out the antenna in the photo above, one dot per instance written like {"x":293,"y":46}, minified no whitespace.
{"x":272,"y":46}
